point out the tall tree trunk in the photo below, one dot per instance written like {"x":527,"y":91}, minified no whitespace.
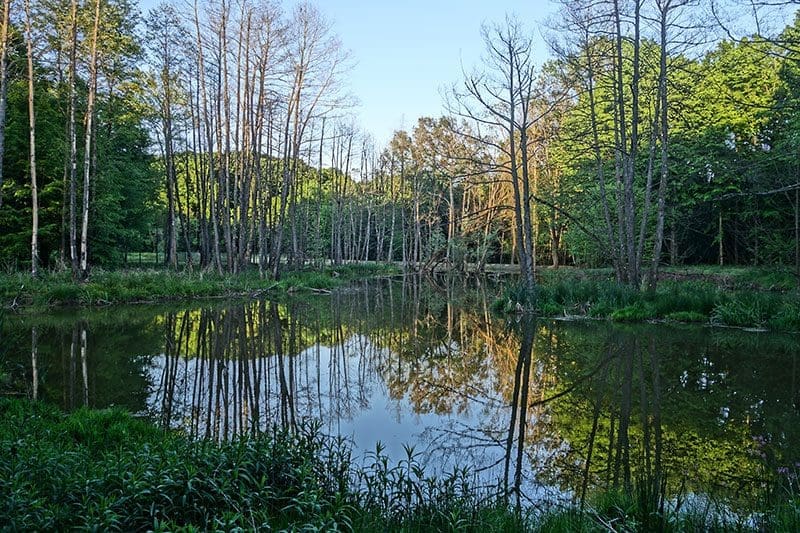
{"x":32,"y":130}
{"x":664,"y":124}
{"x":277,"y":246}
{"x":318,"y":235}
{"x":719,"y":237}
{"x":3,"y":87}
{"x":393,"y":199}
{"x":555,"y":239}
{"x":171,"y":240}
{"x":208,"y":126}
{"x":797,"y":234}
{"x":613,"y":245}
{"x":34,"y":342}
{"x":73,"y":143}
{"x":84,"y":266}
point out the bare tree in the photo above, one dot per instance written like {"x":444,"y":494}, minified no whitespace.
{"x":498,"y":101}
{"x":665,"y":10}
{"x":164,"y":36}
{"x":317,"y":62}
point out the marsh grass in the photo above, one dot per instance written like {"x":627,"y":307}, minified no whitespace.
{"x":106,"y":470}
{"x":683,"y":301}
{"x":104,"y":287}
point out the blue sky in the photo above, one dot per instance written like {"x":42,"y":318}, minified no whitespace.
{"x":406,"y":52}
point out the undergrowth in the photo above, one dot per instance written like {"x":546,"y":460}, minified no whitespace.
{"x":682,"y":301}
{"x":106,"y":470}
{"x":105,"y":287}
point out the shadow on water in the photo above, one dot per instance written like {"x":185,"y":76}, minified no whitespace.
{"x":543,"y":411}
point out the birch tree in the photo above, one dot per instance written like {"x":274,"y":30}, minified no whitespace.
{"x":87,"y":149}
{"x":32,"y":140}
{"x":3,"y":85}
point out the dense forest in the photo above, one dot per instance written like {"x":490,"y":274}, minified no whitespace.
{"x":219,"y":135}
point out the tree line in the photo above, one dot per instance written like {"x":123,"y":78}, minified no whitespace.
{"x":221,"y":130}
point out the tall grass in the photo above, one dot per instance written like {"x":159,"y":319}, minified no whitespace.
{"x":104,"y":287}
{"x":685,"y":301}
{"x":105,"y":470}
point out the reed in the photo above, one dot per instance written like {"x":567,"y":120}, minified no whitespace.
{"x":107,"y":470}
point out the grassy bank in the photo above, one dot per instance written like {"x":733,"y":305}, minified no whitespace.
{"x":730,"y":278}
{"x":105,"y":470}
{"x":740,"y":298}
{"x":57,"y":288}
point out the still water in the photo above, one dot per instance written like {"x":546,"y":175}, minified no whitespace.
{"x":553,"y":409}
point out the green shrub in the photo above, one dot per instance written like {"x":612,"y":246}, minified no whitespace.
{"x":515,"y":297}
{"x":637,"y":312}
{"x":746,"y":310}
{"x":686,"y":316}
{"x":788,"y":317}
{"x":695,"y":297}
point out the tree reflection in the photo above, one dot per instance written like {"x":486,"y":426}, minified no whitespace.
{"x":539,"y":410}
{"x":519,"y":407}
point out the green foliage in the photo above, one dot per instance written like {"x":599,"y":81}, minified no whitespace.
{"x":637,"y":312}
{"x":106,"y":470}
{"x":752,"y":309}
{"x":123,"y":186}
{"x":788,"y":316}
{"x":64,"y":472}
{"x":570,"y":520}
{"x":709,"y":294}
{"x":746,"y":310}
{"x":516,"y":298}
{"x":686,"y":316}
{"x":585,"y":297}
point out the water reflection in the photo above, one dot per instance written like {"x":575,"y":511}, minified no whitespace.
{"x":549,"y":410}
{"x":244,"y":368}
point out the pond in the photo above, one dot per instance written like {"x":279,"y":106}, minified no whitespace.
{"x":552,"y":410}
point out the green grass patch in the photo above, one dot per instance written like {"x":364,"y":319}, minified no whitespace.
{"x":697,"y":298}
{"x":637,"y":312}
{"x":686,"y":316}
{"x":104,"y":287}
